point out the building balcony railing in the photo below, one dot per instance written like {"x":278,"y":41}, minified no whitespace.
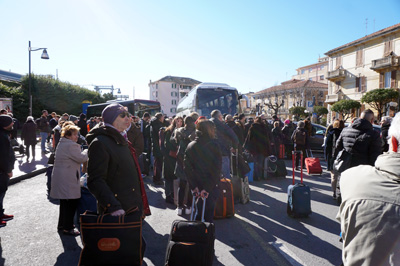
{"x":384,"y":63}
{"x":336,"y":75}
{"x":331,"y":98}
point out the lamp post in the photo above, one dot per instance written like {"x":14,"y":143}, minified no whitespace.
{"x":44,"y":56}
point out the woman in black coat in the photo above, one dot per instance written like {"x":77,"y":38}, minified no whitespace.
{"x":28,"y":135}
{"x":259,"y":145}
{"x":170,"y":148}
{"x":202,"y":166}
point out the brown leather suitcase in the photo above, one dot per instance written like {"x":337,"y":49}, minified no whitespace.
{"x":224,"y":207}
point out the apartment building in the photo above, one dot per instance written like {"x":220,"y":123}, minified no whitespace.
{"x":306,"y":93}
{"x":315,"y":72}
{"x":363,"y":65}
{"x":169,"y":91}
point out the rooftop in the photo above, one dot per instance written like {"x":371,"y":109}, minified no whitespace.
{"x":10,"y":76}
{"x":366,"y":38}
{"x":294,"y":84}
{"x":179,"y":80}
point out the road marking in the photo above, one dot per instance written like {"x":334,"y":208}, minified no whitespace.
{"x":279,"y":246}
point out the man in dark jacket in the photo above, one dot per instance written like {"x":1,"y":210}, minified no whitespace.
{"x":6,"y":163}
{"x":300,"y":140}
{"x":385,"y":124}
{"x":155,"y":124}
{"x":226,"y":139}
{"x":135,"y":137}
{"x":112,"y":174}
{"x":361,"y":140}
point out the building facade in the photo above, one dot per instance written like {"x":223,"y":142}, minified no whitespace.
{"x":363,"y":65}
{"x":169,"y":91}
{"x":314,"y":72}
{"x":305,"y":93}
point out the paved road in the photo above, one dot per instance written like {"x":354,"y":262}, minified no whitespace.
{"x":260,"y":233}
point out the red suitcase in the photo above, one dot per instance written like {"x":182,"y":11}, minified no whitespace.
{"x":313,"y":164}
{"x":281,"y":151}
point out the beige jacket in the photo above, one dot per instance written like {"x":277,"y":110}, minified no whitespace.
{"x":370,"y":212}
{"x":66,"y":172}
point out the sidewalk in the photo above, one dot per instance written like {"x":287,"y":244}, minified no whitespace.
{"x":23,"y":169}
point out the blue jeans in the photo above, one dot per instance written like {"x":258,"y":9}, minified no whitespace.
{"x":43,"y":135}
{"x":226,"y":167}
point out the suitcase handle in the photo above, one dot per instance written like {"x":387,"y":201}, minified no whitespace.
{"x":193,"y":205}
{"x":301,"y":165}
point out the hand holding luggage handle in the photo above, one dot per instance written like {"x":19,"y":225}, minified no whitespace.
{"x":301,"y":167}
{"x":193,"y":204}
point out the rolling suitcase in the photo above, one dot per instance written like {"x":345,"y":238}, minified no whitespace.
{"x":224,"y":207}
{"x":313,"y":164}
{"x":273,"y":167}
{"x":281,"y":151}
{"x":240,"y":182}
{"x":299,"y":196}
{"x":191,"y":242}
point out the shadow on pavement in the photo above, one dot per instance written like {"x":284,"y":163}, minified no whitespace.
{"x":2,"y":260}
{"x":71,"y":253}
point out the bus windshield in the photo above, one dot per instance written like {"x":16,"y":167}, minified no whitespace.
{"x":225,"y":101}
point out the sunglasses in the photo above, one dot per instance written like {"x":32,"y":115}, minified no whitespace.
{"x":122,"y":115}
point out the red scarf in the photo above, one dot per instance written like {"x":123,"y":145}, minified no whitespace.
{"x":146,"y":207}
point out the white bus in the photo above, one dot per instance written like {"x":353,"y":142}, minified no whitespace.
{"x":206,"y":97}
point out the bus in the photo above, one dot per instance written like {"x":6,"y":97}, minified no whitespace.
{"x":136,"y":107}
{"x":206,"y":97}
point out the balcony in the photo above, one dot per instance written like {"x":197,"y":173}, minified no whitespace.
{"x":332,"y":98}
{"x":336,"y":75}
{"x":385,"y":63}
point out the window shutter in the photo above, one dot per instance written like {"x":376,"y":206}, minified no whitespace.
{"x":393,"y":79}
{"x":363,"y":84}
{"x":381,"y":78}
{"x":357,"y":84}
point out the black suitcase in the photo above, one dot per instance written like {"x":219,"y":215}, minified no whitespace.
{"x":191,"y":242}
{"x":299,"y":196}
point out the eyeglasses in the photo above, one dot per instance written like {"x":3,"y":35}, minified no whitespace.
{"x":122,"y":115}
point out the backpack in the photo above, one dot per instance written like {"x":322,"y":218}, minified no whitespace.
{"x":300,"y":137}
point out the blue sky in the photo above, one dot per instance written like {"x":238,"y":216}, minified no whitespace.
{"x":251,"y":45}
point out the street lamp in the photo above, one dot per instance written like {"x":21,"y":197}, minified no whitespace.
{"x":44,"y":56}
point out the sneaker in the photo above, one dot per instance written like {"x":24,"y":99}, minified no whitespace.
{"x":3,"y":223}
{"x":188,"y":211}
{"x":7,"y":217}
{"x":179,"y":211}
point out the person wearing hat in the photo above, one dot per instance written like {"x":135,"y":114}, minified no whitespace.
{"x":113,"y":177}
{"x":82,"y":124}
{"x":28,"y":135}
{"x":6,"y":163}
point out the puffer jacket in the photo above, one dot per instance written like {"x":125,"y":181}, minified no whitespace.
{"x":226,"y":138}
{"x":370,"y":212}
{"x":361,"y":140}
{"x":112,"y":175}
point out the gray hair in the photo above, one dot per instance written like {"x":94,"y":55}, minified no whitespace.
{"x":215,"y":113}
{"x":300,"y":124}
{"x":228,"y":118}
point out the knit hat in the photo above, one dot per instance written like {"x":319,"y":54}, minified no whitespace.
{"x":73,"y":118}
{"x":29,"y":118}
{"x":287,"y":122}
{"x":5,"y":121}
{"x":111,"y":112}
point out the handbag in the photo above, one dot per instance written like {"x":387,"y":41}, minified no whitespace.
{"x":342,"y":161}
{"x":111,"y":240}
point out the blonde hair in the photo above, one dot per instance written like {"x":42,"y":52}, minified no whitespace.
{"x":67,"y":130}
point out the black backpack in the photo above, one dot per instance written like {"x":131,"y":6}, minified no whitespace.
{"x":300,"y":137}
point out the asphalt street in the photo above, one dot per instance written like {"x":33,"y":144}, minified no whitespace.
{"x":260,"y":233}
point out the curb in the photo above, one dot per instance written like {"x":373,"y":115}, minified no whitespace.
{"x":17,"y":179}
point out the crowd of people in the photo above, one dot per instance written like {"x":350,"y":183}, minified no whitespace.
{"x":189,"y":155}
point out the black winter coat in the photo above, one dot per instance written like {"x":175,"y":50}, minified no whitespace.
{"x":112,"y":174}
{"x":155,"y":125}
{"x":362,"y":141}
{"x":28,"y":134}
{"x":7,"y":159}
{"x":83,"y":127}
{"x":226,"y":138}
{"x":330,"y":146}
{"x":257,"y":141}
{"x":203,"y":163}
{"x":287,"y":132}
